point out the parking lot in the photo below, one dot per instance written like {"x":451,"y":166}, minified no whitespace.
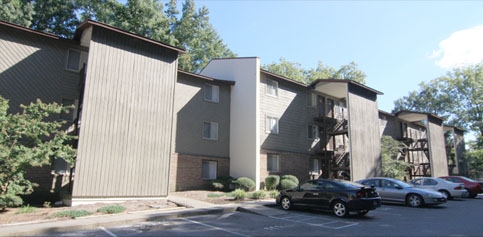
{"x":459,"y":217}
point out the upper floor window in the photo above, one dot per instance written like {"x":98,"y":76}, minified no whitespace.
{"x":75,"y":60}
{"x":272,"y":125}
{"x":210,"y":130}
{"x":312,"y":132}
{"x":212,"y":93}
{"x":272,"y":87}
{"x":312,"y":101}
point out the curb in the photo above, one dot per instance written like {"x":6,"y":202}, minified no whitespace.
{"x":45,"y":228}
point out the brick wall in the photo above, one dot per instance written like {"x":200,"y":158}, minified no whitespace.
{"x":289,"y":164}
{"x":185,"y":171}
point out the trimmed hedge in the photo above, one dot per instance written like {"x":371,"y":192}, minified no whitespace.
{"x":287,"y":184}
{"x":271,"y":182}
{"x":244,"y":183}
{"x":292,"y":178}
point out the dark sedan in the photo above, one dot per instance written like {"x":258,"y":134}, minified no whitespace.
{"x":341,"y":196}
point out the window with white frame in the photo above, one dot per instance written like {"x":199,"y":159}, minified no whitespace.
{"x":75,"y":60}
{"x":273,"y":162}
{"x":208,"y":169}
{"x":272,"y":125}
{"x":272,"y":87}
{"x":210,"y":130}
{"x":312,"y":101}
{"x":212,"y":93}
{"x":312,"y":132}
{"x":315,"y":168}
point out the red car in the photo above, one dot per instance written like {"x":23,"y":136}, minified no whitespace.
{"x":473,"y":187}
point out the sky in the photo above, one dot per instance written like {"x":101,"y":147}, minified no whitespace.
{"x":397,"y":44}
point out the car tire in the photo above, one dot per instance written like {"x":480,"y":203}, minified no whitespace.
{"x":445,"y":194}
{"x":340,"y":209}
{"x":362,"y":213}
{"x":414,"y":200}
{"x":286,"y":203}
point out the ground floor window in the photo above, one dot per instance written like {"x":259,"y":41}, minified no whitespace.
{"x":208,"y":169}
{"x":314,"y":167}
{"x":273,"y":162}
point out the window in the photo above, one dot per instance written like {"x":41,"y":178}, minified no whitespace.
{"x":210,"y":130}
{"x":212,"y":93}
{"x":61,"y":167}
{"x":272,"y":125}
{"x":208,"y":169}
{"x":315,"y":166}
{"x":75,"y":60}
{"x":312,"y":132}
{"x":272,"y":87}
{"x":272,"y":162}
{"x":312,"y":100}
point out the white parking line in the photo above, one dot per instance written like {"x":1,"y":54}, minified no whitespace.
{"x":214,"y":227}
{"x":326,"y":223}
{"x":107,"y":231}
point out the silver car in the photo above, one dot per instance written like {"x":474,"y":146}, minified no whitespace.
{"x":395,"y":191}
{"x":449,"y":189}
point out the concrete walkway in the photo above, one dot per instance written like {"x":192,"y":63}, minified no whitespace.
{"x":188,"y":207}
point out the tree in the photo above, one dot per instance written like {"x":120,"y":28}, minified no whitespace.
{"x":27,"y":140}
{"x":196,"y":35}
{"x":294,"y":71}
{"x":17,"y":11}
{"x":392,"y":165}
{"x":457,"y":97}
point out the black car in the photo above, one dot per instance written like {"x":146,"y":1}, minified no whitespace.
{"x":341,"y":196}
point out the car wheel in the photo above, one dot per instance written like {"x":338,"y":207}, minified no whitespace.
{"x":285,"y":203}
{"x":340,"y":209}
{"x":445,"y":194}
{"x":414,"y":200}
{"x":362,"y":213}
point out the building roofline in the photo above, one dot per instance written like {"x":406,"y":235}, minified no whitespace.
{"x":89,"y":23}
{"x":345,"y":81}
{"x":415,"y":112}
{"x":283,"y":78}
{"x":227,"y":82}
{"x":23,"y":28}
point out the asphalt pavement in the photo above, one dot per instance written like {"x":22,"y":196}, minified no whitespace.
{"x":186,"y":207}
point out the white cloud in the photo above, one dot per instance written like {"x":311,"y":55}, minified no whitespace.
{"x":462,"y":48}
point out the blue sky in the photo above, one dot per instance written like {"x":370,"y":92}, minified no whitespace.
{"x":398,"y":44}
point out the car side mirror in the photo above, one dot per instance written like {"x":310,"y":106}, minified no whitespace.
{"x":299,"y":189}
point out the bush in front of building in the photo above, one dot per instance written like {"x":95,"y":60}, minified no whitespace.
{"x":239,"y":194}
{"x":272,"y":181}
{"x":260,"y":194}
{"x":222,"y":183}
{"x":244,"y":183}
{"x":292,"y":178}
{"x":287,"y":184}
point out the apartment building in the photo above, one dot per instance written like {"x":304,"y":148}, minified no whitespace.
{"x":278,"y":126}
{"x":423,"y":134}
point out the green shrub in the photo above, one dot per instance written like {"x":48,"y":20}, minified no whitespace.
{"x":244,"y":183}
{"x":271,"y":182}
{"x":215,"y":195}
{"x":8,"y":200}
{"x":258,"y":194}
{"x":287,"y":184}
{"x":239,"y":194}
{"x":292,"y":178}
{"x":217,"y":185}
{"x":273,"y":193}
{"x":26,"y":209}
{"x":111,"y":209}
{"x":72,"y":213}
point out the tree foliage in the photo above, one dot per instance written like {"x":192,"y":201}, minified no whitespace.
{"x":27,"y":140}
{"x":393,"y":164}
{"x":190,"y":29}
{"x":294,"y":71}
{"x":457,"y":97}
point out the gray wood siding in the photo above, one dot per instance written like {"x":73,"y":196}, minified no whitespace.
{"x":365,"y":143}
{"x":192,"y":110}
{"x":33,"y":66}
{"x":460,"y":152}
{"x":294,"y":114}
{"x":126,"y":130}
{"x":439,"y":162}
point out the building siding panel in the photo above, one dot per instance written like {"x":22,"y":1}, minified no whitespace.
{"x":124,"y":147}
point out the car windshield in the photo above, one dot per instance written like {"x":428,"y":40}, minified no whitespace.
{"x":348,"y":184}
